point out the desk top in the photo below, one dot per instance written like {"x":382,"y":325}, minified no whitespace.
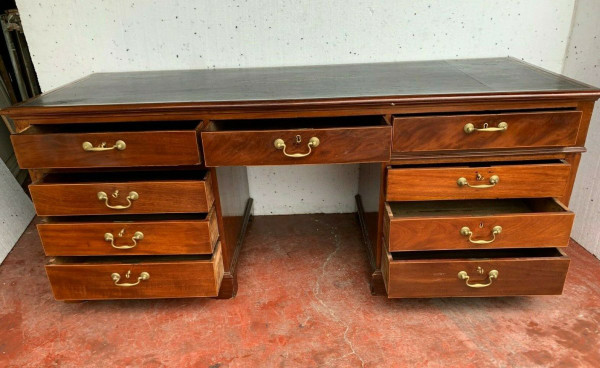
{"x":460,"y":78}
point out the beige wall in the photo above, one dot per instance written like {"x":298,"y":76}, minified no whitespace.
{"x":582,"y":62}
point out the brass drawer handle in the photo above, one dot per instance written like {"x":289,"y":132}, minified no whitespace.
{"x":463,"y":182}
{"x":138,"y":235}
{"x":280,"y":144}
{"x":465,"y":231}
{"x":492,"y":275}
{"x":470,"y":128}
{"x":88,"y":147}
{"x":116,"y":277}
{"x":102,"y":196}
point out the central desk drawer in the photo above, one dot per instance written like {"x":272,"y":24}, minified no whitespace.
{"x":490,"y":272}
{"x":297,"y":141}
{"x":479,"y":181}
{"x":484,"y":131}
{"x":122,"y":193}
{"x":136,"y":277}
{"x":475,"y":224}
{"x":137,"y":235}
{"x":95,"y":145}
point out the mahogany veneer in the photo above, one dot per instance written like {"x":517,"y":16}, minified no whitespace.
{"x":442,"y":146}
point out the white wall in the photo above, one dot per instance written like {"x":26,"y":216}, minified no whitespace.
{"x":72,"y":38}
{"x":583,"y":63}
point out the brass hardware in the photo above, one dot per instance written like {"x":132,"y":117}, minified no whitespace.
{"x":463,"y":182}
{"x":480,"y":270}
{"x":138,"y":235}
{"x":465,"y":231}
{"x":88,"y":147}
{"x":142,"y":277}
{"x":492,"y":275}
{"x":280,"y":144}
{"x":470,"y":128}
{"x":298,"y":139}
{"x":102,"y":196}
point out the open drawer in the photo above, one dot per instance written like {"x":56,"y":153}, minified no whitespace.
{"x":475,"y":224}
{"x":96,"y":145}
{"x":87,"y":278}
{"x":119,"y":193}
{"x":477,"y":273}
{"x":524,"y":179}
{"x":297,"y":141}
{"x":132,"y":235}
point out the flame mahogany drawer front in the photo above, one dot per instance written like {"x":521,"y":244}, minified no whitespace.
{"x":476,"y":224}
{"x":297,"y":141}
{"x":88,"y":278}
{"x":460,"y":132}
{"x":122,"y":193}
{"x":490,"y":272}
{"x":180,"y":234}
{"x":86,"y":145}
{"x":480,"y":181}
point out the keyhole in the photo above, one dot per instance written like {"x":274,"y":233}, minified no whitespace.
{"x":485,"y":125}
{"x":115,"y":194}
{"x":480,"y":270}
{"x":298,"y":139}
{"x":481,"y":225}
{"x":121,"y":233}
{"x":478,"y":177}
{"x":128,"y":274}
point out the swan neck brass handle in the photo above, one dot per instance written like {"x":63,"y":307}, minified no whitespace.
{"x":89,"y":147}
{"x":465,"y":231}
{"x":280,"y":145}
{"x":470,"y":128}
{"x":142,"y":277}
{"x":463,"y":182}
{"x":492,"y":275}
{"x":132,"y":196}
{"x":138,"y":235}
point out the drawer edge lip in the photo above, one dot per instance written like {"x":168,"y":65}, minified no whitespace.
{"x":40,"y":113}
{"x":449,"y":155}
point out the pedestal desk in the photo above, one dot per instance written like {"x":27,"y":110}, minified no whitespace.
{"x":466,"y":169}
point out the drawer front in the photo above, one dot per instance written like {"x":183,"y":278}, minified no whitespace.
{"x":161,"y":279}
{"x":514,"y":181}
{"x":141,"y":197}
{"x":151,"y":148}
{"x":440,"y":278}
{"x":465,"y":231}
{"x":459,"y":132}
{"x":336,"y":145}
{"x":130,"y":238}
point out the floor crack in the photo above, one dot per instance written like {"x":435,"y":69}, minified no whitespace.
{"x":317,"y":292}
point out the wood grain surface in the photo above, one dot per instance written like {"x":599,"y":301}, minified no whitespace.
{"x":433,"y":278}
{"x":196,"y":234}
{"x":446,"y":132}
{"x":169,"y":278}
{"x":516,"y":181}
{"x":537,"y":225}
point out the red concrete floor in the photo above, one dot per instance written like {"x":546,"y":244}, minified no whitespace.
{"x":303,"y":301}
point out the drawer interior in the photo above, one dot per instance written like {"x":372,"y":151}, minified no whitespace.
{"x":124,"y":219}
{"x":486,"y":112}
{"x":122,"y":177}
{"x":482,"y":207}
{"x":297,"y":123}
{"x":99,"y":260}
{"x":108,"y":127}
{"x":478,"y":254}
{"x":484,"y":164}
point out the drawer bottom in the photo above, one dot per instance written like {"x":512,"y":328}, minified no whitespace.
{"x":88,"y":278}
{"x":477,"y":273}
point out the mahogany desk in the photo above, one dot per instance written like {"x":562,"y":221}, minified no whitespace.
{"x":466,"y":169}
